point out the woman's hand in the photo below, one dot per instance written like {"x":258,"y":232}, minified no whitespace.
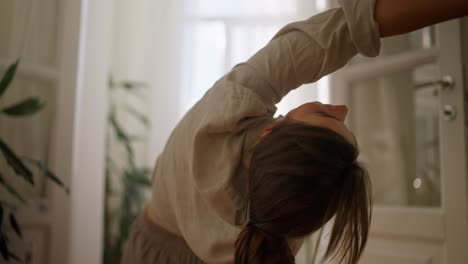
{"x":403,"y":16}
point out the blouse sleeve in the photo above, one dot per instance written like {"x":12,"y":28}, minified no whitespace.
{"x":303,"y":52}
{"x":217,"y":131}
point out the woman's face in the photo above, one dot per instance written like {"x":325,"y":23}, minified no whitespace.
{"x":324,"y":115}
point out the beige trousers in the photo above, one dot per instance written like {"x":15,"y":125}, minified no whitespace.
{"x":148,"y":244}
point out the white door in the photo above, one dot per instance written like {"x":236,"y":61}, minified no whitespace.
{"x":407,"y":112}
{"x":64,"y":48}
{"x":38,"y":32}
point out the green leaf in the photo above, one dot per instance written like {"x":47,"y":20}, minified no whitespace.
{"x":141,"y":117}
{"x":127,"y":85}
{"x":16,"y":258}
{"x":14,"y":224}
{"x":1,"y":215}
{"x":121,"y":135}
{"x":140,"y":177}
{"x":132,"y":84}
{"x":47,"y":172}
{"x":11,"y":190}
{"x":27,"y":107}
{"x":143,"y":181}
{"x":4,"y":248}
{"x":8,"y":77}
{"x":16,"y":163}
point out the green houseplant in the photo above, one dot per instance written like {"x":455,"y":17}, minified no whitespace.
{"x":19,"y":166}
{"x":127,"y":182}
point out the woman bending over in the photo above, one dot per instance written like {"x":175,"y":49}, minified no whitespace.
{"x":235,"y":185}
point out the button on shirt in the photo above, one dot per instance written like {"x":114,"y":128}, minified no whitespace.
{"x":200,"y":178}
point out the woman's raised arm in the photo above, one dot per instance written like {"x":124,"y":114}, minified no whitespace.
{"x":402,"y":16}
{"x":305,"y":51}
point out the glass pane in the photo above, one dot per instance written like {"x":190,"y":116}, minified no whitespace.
{"x":206,"y":56}
{"x":421,"y":39}
{"x":242,"y":7}
{"x":395,"y":119}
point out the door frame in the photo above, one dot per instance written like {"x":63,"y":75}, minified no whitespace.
{"x":454,"y":191}
{"x":78,"y":147}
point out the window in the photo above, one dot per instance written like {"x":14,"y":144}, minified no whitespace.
{"x":222,"y":33}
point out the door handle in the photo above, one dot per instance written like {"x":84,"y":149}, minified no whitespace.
{"x":449,"y":112}
{"x":447,"y":83}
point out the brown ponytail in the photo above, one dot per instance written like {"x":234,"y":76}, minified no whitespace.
{"x":254,"y":246}
{"x":301,"y":176}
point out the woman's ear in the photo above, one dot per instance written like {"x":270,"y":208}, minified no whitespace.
{"x":267,"y":129}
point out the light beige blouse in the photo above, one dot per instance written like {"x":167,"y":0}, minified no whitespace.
{"x":200,"y":179}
